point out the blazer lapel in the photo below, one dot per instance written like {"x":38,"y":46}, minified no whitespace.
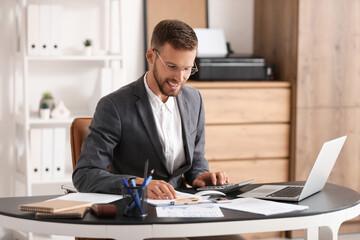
{"x":144,"y":109}
{"x":185,"y":119}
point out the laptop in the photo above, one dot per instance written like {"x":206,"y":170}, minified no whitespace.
{"x":314,"y":183}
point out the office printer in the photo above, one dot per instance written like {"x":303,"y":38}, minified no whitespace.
{"x":233,"y":67}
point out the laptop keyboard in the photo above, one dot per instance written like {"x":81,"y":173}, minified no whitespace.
{"x":287,"y":192}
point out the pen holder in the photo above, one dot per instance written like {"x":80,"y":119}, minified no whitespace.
{"x":134,"y":200}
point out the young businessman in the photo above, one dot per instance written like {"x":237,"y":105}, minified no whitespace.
{"x":155,"y":118}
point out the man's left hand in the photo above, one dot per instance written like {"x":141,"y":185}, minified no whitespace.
{"x":211,"y":178}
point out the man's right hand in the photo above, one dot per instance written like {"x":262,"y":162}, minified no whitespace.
{"x":158,"y":189}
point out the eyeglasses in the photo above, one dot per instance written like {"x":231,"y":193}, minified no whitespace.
{"x":175,"y":68}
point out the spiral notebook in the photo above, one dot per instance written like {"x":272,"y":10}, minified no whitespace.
{"x":73,"y":213}
{"x":54,"y":206}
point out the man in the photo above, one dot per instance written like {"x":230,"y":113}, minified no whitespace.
{"x":155,"y":118}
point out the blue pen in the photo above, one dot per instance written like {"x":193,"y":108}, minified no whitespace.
{"x":132,"y":195}
{"x":145,"y":183}
{"x":136,"y":192}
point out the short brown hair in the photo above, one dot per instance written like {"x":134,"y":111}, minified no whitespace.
{"x":179,"y":34}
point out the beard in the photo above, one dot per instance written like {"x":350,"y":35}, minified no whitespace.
{"x":163,"y":83}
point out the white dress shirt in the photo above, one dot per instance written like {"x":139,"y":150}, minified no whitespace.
{"x":168,"y":124}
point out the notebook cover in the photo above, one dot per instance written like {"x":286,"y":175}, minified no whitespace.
{"x":74,"y":213}
{"x":53,"y":206}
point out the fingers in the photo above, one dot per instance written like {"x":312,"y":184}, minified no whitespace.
{"x":198,"y":183}
{"x":221,"y":178}
{"x":158,"y":189}
{"x":211,"y":178}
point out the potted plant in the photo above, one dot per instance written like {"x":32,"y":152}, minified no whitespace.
{"x":48,"y":99}
{"x":88,"y":47}
{"x":44,"y":111}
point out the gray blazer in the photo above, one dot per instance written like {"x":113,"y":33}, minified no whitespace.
{"x":123,"y":135}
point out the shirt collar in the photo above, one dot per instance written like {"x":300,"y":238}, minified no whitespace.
{"x":156,"y":102}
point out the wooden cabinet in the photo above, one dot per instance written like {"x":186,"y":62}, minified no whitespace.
{"x":310,"y":47}
{"x":247,"y":128}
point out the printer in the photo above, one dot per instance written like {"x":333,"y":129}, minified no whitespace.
{"x":216,"y":61}
{"x":232,"y":67}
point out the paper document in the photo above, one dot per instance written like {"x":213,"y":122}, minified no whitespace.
{"x":199,"y":210}
{"x":91,"y":197}
{"x":179,"y":195}
{"x":212,"y":42}
{"x":263,"y":207}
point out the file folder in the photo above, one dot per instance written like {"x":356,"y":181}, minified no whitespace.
{"x":33,"y":30}
{"x":45,"y":13}
{"x":35,"y":153}
{"x":47,"y":153}
{"x":55,"y":30}
{"x":59,"y":153}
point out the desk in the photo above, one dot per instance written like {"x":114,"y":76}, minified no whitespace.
{"x":327,"y":211}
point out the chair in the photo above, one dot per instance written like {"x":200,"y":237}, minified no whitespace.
{"x":78,"y":131}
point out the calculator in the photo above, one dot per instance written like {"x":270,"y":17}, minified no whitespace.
{"x":227,"y":187}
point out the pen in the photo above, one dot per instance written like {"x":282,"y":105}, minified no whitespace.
{"x":145,"y":183}
{"x":135,"y":190}
{"x":185,"y":201}
{"x":132,"y":195}
{"x":146,"y":167}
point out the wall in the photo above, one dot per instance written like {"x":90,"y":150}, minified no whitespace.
{"x":236,"y":17}
{"x":7,"y":47}
{"x":239,"y":34}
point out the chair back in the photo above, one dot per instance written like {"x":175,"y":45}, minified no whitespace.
{"x":78,"y":131}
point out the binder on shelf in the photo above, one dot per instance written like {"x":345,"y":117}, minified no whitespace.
{"x":35,"y":153}
{"x":33,"y":30}
{"x":55,"y":30}
{"x":59,"y":153}
{"x":47,"y":153}
{"x":45,"y":14}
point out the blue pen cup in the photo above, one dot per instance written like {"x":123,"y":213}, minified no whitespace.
{"x":134,"y":201}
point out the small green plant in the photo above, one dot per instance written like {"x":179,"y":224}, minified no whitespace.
{"x":47,"y":95}
{"x":87,"y":43}
{"x":44,"y":105}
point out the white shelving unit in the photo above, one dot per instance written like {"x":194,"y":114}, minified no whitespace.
{"x":71,"y":77}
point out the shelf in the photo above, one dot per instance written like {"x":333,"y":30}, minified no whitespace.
{"x":36,"y":121}
{"x":74,"y":58}
{"x":66,"y":180}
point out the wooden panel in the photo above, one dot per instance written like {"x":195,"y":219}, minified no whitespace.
{"x":266,"y":235}
{"x":246,"y":105}
{"x":316,"y":126}
{"x":267,"y":170}
{"x":247,"y":141}
{"x":237,"y":84}
{"x":328,"y":57}
{"x":275,"y":35}
{"x":192,"y":12}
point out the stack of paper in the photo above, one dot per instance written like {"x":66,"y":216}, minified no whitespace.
{"x":263,"y":207}
{"x":198,"y":210}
